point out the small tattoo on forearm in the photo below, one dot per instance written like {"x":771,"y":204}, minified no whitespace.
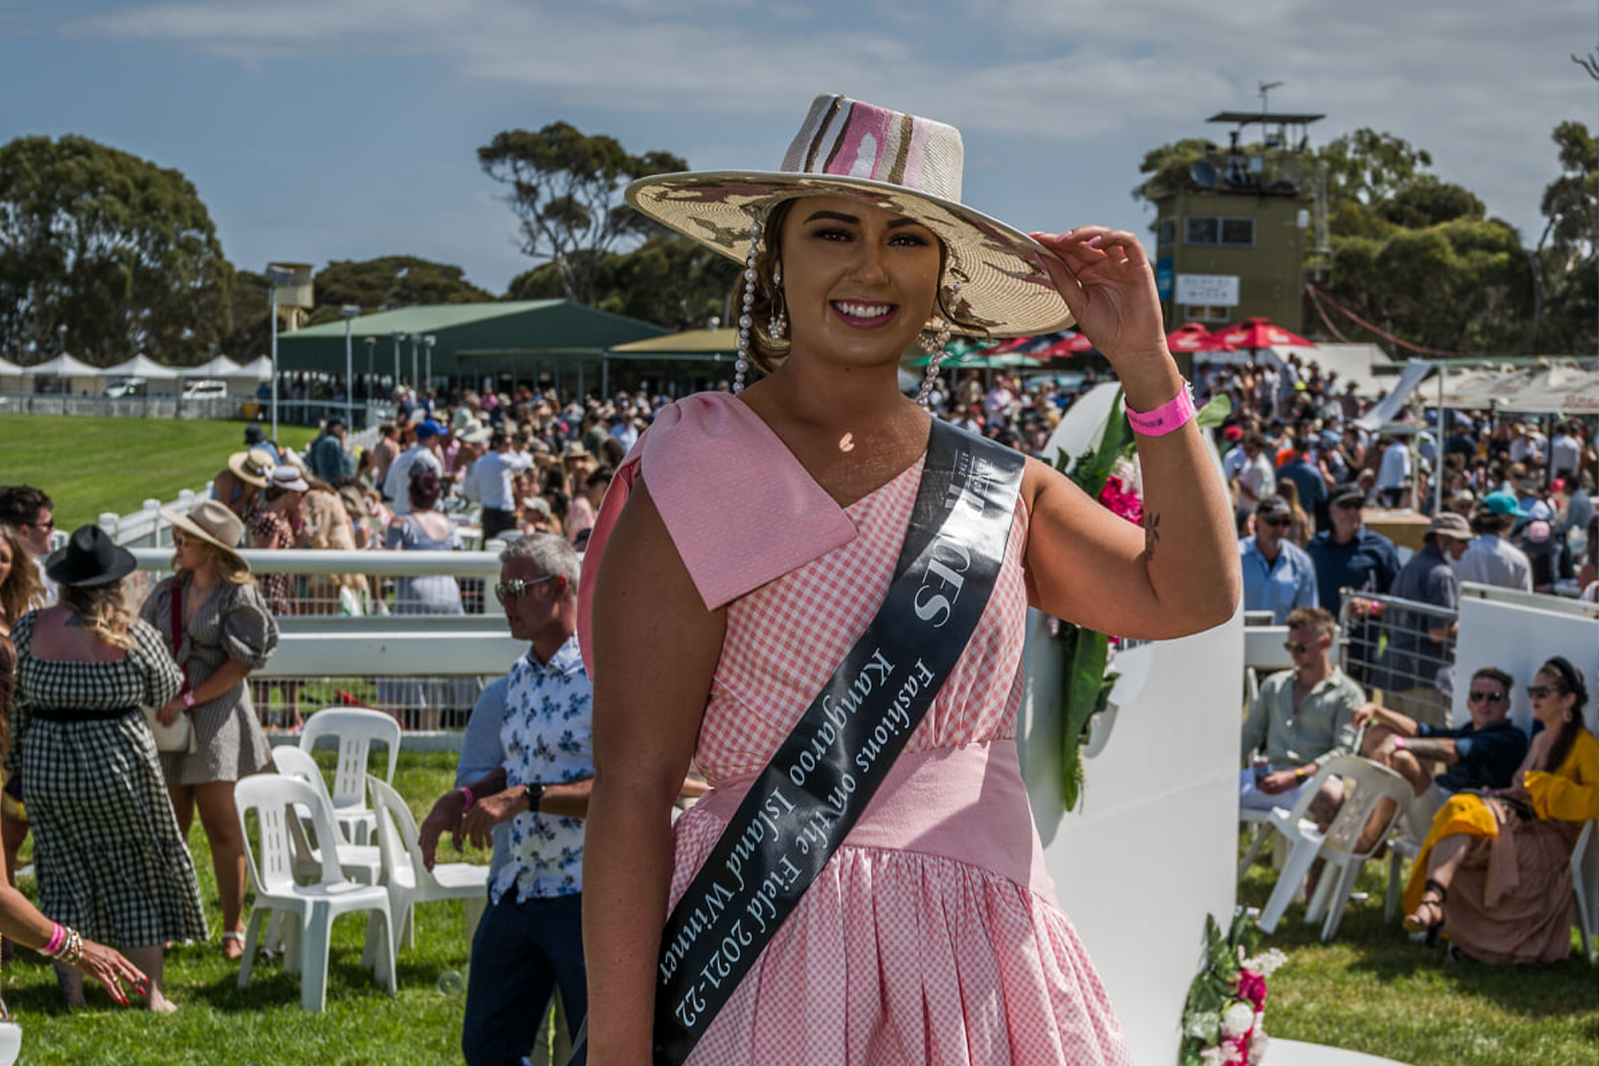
{"x":1151,"y":534}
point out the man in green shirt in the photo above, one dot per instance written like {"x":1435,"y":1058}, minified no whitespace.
{"x":1300,"y":719}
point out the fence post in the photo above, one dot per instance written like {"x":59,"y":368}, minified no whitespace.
{"x":110,"y":523}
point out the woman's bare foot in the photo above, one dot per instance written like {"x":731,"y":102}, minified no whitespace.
{"x":158,"y":1003}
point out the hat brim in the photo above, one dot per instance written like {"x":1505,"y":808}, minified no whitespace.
{"x":195,"y":529}
{"x":236,"y":466}
{"x":123,"y":563}
{"x":1005,"y":287}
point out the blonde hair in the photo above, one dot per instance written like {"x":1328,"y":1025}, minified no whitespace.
{"x":230,"y":566}
{"x":22,"y":590}
{"x":102,"y":610}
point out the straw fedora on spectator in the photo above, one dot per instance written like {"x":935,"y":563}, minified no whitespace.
{"x":250,"y":467}
{"x":90,"y":557}
{"x":212,"y":522}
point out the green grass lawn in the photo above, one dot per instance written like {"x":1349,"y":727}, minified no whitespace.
{"x":1370,"y":990}
{"x":94,"y":465}
{"x":1373,"y":990}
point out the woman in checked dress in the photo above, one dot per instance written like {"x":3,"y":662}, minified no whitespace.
{"x":109,"y":857}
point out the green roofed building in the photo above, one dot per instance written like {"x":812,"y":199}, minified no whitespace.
{"x":555,"y":341}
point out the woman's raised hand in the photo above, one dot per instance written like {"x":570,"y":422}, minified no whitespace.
{"x":1106,"y":281}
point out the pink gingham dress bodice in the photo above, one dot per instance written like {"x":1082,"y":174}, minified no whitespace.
{"x":901,"y":951}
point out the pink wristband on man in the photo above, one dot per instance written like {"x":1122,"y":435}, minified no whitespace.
{"x":1165,"y":419}
{"x":466,"y":794}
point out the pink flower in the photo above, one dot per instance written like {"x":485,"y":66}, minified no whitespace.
{"x":1252,"y":988}
{"x":1119,"y":500}
{"x":1237,"y":1049}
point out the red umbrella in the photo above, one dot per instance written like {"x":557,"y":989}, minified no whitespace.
{"x":1258,"y":333}
{"x":1194,"y":337}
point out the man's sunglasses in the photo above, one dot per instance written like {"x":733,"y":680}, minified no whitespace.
{"x":1277,"y":523}
{"x":1298,"y":646}
{"x":1347,"y":505}
{"x":1491,"y":697}
{"x":516,"y":588}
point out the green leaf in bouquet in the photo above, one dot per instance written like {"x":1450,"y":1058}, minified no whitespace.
{"x":1215,"y":411}
{"x":1086,"y":691}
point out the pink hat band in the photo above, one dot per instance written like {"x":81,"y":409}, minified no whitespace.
{"x":846,"y":138}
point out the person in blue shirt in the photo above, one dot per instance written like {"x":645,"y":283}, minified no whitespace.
{"x":1278,"y":575}
{"x":1347,"y":555}
{"x":1482,"y":754}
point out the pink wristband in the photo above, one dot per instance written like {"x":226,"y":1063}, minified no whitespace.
{"x":57,"y":938}
{"x":1163,"y":420}
{"x":1399,"y":743}
{"x":463,"y":790}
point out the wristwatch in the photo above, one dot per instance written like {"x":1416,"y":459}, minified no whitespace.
{"x":535,"y":793}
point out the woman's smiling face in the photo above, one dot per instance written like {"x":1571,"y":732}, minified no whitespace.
{"x":859,"y":282}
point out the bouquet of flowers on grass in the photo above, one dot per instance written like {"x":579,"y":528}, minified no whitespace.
{"x":1108,"y":471}
{"x":1223,"y":1021}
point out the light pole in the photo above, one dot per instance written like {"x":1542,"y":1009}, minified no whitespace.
{"x":276,"y":276}
{"x":371,"y":343}
{"x":427,"y":344}
{"x":415,"y":380}
{"x":349,"y":311}
{"x":398,"y":335}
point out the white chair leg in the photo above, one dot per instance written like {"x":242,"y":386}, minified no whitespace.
{"x":251,"y":932}
{"x":1340,"y":899}
{"x":1294,"y":870}
{"x":1262,"y":834}
{"x":1316,"y":907}
{"x":317,"y":932}
{"x":385,"y":970}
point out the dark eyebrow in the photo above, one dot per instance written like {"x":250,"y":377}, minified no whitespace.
{"x":839,"y":216}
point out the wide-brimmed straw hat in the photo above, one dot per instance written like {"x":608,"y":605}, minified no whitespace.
{"x":289,"y":477}
{"x":212,"y":522}
{"x":250,"y":467}
{"x":91,"y":557}
{"x":889,"y":159}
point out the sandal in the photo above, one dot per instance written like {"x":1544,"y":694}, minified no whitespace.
{"x":1433,"y":897}
{"x":237,"y":938}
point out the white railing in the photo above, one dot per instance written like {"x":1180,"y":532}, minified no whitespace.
{"x":426,"y":670}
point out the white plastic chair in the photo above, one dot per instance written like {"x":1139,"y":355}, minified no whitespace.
{"x":355,"y":728}
{"x":276,"y":801}
{"x":1585,"y":890}
{"x":361,"y":863}
{"x":406,"y":875}
{"x":1365,"y":785}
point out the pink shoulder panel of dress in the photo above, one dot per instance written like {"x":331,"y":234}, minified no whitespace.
{"x":740,"y":508}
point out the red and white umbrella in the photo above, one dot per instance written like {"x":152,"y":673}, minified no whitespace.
{"x":1194,"y":337}
{"x":1072,"y":344}
{"x":1258,"y":333}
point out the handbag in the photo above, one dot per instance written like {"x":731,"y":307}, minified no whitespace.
{"x":179,"y":736}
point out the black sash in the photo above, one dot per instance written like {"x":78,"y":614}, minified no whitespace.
{"x":806,"y":800}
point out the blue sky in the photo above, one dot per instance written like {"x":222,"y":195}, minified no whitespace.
{"x":347,"y":129}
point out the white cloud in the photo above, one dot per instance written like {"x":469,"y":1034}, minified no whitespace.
{"x":1480,"y":83}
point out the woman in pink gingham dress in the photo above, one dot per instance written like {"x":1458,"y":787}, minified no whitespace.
{"x":749,"y":540}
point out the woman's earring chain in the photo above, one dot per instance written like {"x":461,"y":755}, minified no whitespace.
{"x":933,"y":344}
{"x":746,"y":320}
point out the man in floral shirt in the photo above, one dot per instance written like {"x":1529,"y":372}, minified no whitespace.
{"x":526,"y":769}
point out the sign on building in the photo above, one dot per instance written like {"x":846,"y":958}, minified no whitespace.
{"x":1211,"y":290}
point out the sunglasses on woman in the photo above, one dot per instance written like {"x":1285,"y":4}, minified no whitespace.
{"x":1538,"y":692}
{"x":516,"y":588}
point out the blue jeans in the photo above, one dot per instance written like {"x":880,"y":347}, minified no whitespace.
{"x":522,"y":951}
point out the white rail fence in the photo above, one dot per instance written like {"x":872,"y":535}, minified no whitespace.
{"x":426,"y":670}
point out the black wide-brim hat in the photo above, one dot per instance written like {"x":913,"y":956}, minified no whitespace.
{"x":91,"y":557}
